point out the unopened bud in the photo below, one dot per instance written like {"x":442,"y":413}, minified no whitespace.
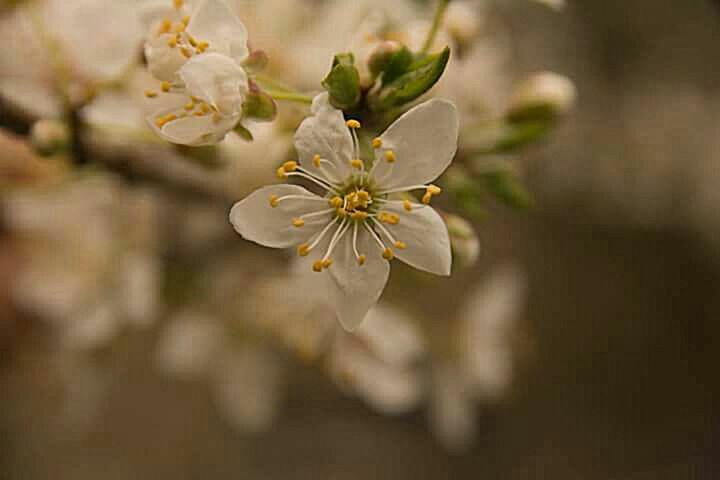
{"x":543,"y":94}
{"x":50,"y":136}
{"x":381,"y":56}
{"x":463,"y":240}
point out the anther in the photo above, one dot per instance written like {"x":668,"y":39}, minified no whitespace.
{"x":361,"y":260}
{"x":354,"y":124}
{"x":186,"y":52}
{"x":290,"y":166}
{"x":316,"y":160}
{"x":388,"y":254}
{"x":189,"y":106}
{"x":429,"y":192}
{"x":359,"y":215}
{"x":186,"y":20}
{"x":150,"y":93}
{"x":377,"y":142}
{"x":165,"y":26}
{"x":202,"y":46}
{"x":356,"y":163}
{"x":407,"y":205}
{"x":179,"y":28}
{"x":280,"y":172}
{"x":317,"y":266}
{"x":274,"y":201}
{"x":298,"y":222}
{"x":165,"y":86}
{"x":336,"y":202}
{"x":192,"y":40}
{"x":400,"y":245}
{"x":390,"y":156}
{"x":327,"y":262}
{"x":178,"y":4}
{"x":303,"y":249}
{"x":363,"y":195}
{"x":172,"y":43}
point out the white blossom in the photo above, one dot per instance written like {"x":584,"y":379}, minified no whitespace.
{"x":198,"y":59}
{"x":359,"y":224}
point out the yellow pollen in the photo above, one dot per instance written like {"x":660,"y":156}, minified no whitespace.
{"x":199,"y":113}
{"x":178,"y":3}
{"x":150,"y":93}
{"x":202,"y":46}
{"x":298,"y":222}
{"x":186,"y":52}
{"x":376,"y":143}
{"x":189,"y":106}
{"x":290,"y":166}
{"x":303,"y":249}
{"x":274,"y":201}
{"x":172,"y":43}
{"x":195,"y":99}
{"x":400,"y":245}
{"x":280,"y":172}
{"x":165,"y":26}
{"x":363,"y":195}
{"x":387,"y":217}
{"x":341,"y":212}
{"x":165,"y":86}
{"x":205,"y":108}
{"x":390,"y":156}
{"x":407,"y":205}
{"x":171,"y":117}
{"x":336,"y":202}
{"x":353,"y":124}
{"x":356,"y":163}
{"x":316,"y":160}
{"x":388,"y":254}
{"x":179,"y":28}
{"x":317,"y":266}
{"x":359,"y":215}
{"x":326,"y":263}
{"x":429,"y":192}
{"x":361,"y":260}
{"x":192,"y":40}
{"x":186,"y":19}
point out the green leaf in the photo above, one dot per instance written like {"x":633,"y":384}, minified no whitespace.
{"x":519,"y":135}
{"x":419,"y":78}
{"x":508,"y":189}
{"x":343,"y":82}
{"x":397,"y":65}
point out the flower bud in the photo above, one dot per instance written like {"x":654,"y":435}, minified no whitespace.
{"x":463,"y":240}
{"x":543,"y":94}
{"x":256,"y":61}
{"x":258,"y":105}
{"x":381,"y":56}
{"x":50,"y":137}
{"x":463,"y":21}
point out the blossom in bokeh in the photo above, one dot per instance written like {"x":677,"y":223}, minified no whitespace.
{"x":198,"y":59}
{"x":369,"y":226}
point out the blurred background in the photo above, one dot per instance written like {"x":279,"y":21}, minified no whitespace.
{"x":141,"y":338}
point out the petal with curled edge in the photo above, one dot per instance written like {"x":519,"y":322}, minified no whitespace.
{"x":326,"y":134}
{"x":423,"y":140}
{"x":217,"y":80}
{"x":213,"y":21}
{"x":426,"y":236}
{"x":256,"y":220}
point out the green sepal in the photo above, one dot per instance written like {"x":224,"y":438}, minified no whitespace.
{"x":343,"y":82}
{"x":258,"y":105}
{"x":507,"y":188}
{"x":243,"y":132}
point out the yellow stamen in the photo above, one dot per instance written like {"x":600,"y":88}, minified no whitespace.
{"x":356,"y":163}
{"x":353,"y":124}
{"x":192,"y":40}
{"x":274,"y":201}
{"x":327,"y":262}
{"x":179,"y":28}
{"x":390,"y":156}
{"x":186,"y":52}
{"x":150,"y":93}
{"x":178,"y":4}
{"x":407,"y":205}
{"x":387,"y":217}
{"x":202,"y":46}
{"x":363,"y":195}
{"x":359,"y":215}
{"x":280,"y":172}
{"x":316,"y":160}
{"x":400,"y":245}
{"x":189,"y":106}
{"x":341,"y":212}
{"x":361,"y":260}
{"x":429,"y":192}
{"x":290,"y":166}
{"x":336,"y":202}
{"x":205,"y":108}
{"x":376,"y":143}
{"x":388,"y":254}
{"x":199,"y":113}
{"x":165,"y":86}
{"x":186,"y":20}
{"x":317,"y":266}
{"x":303,"y":249}
{"x":165,"y":26}
{"x":172,"y":43}
{"x":298,"y":222}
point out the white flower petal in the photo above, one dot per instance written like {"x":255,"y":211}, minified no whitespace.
{"x":424,"y":141}
{"x":326,"y":134}
{"x":354,"y":289}
{"x":392,"y":336}
{"x":193,"y":130}
{"x":216,"y":79}
{"x":215,"y":22}
{"x":426,"y":236}
{"x":452,"y":412}
{"x":256,"y":220}
{"x":163,"y":61}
